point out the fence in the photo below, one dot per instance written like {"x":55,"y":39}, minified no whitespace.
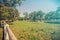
{"x":8,"y":34}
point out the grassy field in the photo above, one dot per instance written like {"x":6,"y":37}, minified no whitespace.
{"x":24,"y":30}
{"x":0,"y":33}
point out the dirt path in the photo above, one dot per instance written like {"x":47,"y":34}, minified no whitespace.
{"x":1,"y":33}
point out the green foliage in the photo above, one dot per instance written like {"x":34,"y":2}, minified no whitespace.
{"x":53,"y":15}
{"x":26,"y":16}
{"x":21,"y":18}
{"x":32,"y":16}
{"x":50,"y":15}
{"x":36,"y":15}
{"x":11,"y":3}
{"x":40,"y":15}
{"x":8,"y":13}
{"x":8,"y":10}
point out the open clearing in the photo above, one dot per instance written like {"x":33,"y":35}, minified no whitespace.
{"x":24,"y":30}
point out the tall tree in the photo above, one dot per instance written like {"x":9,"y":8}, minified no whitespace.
{"x":11,"y":3}
{"x":32,"y":16}
{"x":26,"y":16}
{"x":50,"y":15}
{"x":53,"y":15}
{"x":58,"y":13}
{"x":8,"y":10}
{"x":36,"y":15}
{"x":40,"y":15}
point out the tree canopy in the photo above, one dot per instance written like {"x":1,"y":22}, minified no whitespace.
{"x":53,"y":15}
{"x":36,"y":15}
{"x":11,"y":3}
{"x":8,"y":10}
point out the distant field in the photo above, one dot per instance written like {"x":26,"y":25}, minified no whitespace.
{"x":0,"y":33}
{"x":24,"y":30}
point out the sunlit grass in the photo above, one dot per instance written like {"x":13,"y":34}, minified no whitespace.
{"x":24,"y":30}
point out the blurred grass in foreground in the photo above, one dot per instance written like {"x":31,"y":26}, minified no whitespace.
{"x":24,"y":30}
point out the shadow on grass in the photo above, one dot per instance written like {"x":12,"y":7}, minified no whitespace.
{"x":1,"y":27}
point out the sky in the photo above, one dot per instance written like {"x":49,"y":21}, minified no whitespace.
{"x":37,"y":5}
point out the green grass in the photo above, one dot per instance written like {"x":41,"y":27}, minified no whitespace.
{"x":24,"y":30}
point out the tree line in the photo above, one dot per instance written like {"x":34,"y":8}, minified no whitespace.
{"x":8,"y":9}
{"x":40,"y":15}
{"x":9,"y":12}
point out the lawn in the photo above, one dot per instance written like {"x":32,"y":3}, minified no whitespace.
{"x":24,"y":30}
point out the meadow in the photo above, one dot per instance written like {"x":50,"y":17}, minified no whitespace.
{"x":25,"y":30}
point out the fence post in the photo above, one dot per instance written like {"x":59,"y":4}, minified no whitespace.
{"x":8,"y":33}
